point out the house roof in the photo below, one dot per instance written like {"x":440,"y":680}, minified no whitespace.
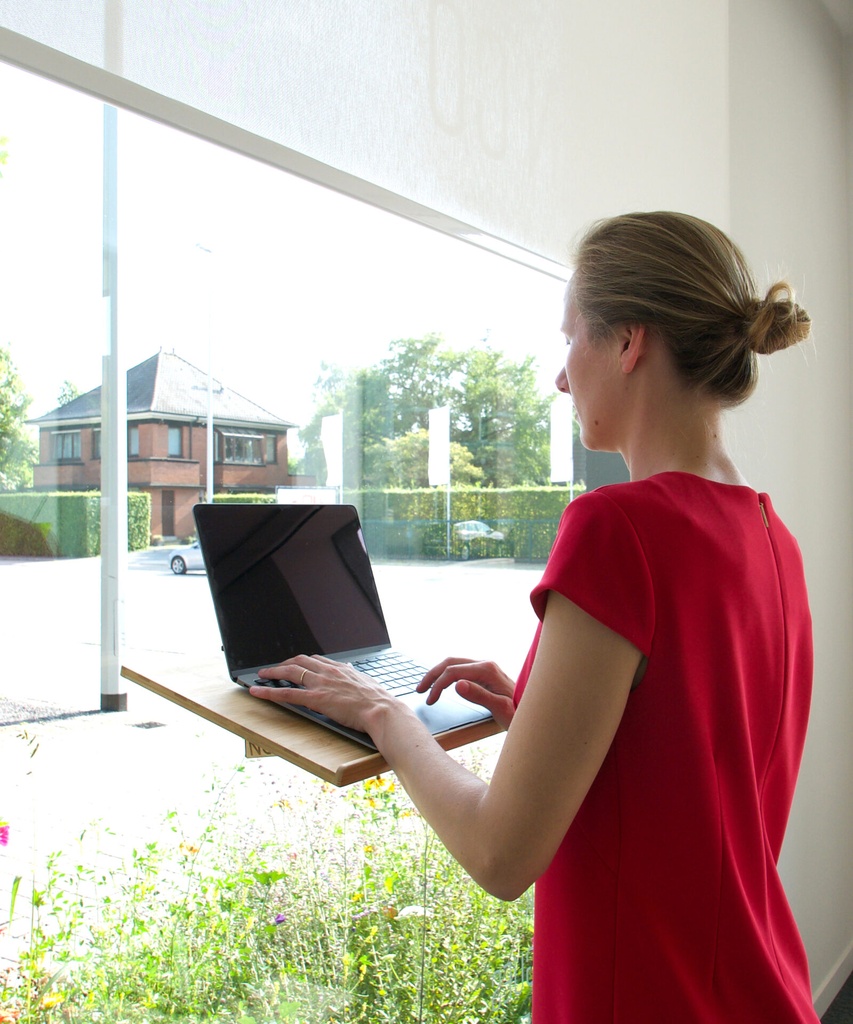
{"x":168,"y":387}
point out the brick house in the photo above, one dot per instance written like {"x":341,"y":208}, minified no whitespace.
{"x":167,"y":442}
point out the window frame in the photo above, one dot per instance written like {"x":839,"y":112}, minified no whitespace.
{"x":57,"y":445}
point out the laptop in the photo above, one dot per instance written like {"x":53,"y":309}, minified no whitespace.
{"x":296,"y":579}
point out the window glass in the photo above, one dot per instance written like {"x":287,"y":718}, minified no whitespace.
{"x":406,"y":373}
{"x":175,"y":442}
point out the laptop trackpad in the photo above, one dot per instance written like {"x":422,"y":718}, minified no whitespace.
{"x":449,"y":712}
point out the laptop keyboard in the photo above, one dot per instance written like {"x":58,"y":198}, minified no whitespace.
{"x":393,"y":671}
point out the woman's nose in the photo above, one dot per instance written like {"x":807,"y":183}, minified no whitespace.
{"x":562,"y":382}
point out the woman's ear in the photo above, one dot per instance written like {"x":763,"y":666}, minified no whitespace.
{"x":634,"y":342}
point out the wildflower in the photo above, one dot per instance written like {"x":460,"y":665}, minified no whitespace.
{"x":52,"y":999}
{"x":4,"y":833}
{"x":280,"y":918}
{"x":414,"y":911}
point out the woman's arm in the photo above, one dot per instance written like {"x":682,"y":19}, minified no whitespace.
{"x":504,"y":833}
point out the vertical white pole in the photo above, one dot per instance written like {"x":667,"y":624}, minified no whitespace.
{"x":209,"y":293}
{"x":113,"y":445}
{"x":210,"y":468}
{"x":439,"y":457}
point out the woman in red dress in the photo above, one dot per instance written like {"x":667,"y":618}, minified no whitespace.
{"x":655,"y":732}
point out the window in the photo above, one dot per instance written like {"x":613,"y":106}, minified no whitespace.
{"x":377,"y":373}
{"x":96,"y":443}
{"x":243,"y":449}
{"x":66,"y":445}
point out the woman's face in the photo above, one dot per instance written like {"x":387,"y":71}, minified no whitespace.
{"x":592,"y":376}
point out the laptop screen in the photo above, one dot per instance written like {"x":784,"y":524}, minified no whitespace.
{"x":288,"y":580}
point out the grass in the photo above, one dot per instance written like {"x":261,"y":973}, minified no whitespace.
{"x":339,"y":908}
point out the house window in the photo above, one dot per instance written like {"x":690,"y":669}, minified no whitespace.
{"x":133,"y":441}
{"x":66,"y":445}
{"x":270,"y":442}
{"x":96,"y":444}
{"x":175,"y":450}
{"x":244,"y":449}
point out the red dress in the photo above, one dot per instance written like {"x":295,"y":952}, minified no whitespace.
{"x":663,"y":903}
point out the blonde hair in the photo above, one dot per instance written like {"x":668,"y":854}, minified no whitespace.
{"x":687,"y":280}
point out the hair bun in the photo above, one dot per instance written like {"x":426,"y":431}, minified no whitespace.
{"x":776,"y":322}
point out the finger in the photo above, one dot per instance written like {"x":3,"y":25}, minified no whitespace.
{"x":448,"y":678}
{"x":485,"y":673}
{"x":500,"y":707}
{"x":279,"y":694}
{"x":433,"y":674}
{"x":294,"y":671}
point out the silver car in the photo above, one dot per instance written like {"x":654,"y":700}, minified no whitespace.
{"x":185,"y":559}
{"x":471,"y":530}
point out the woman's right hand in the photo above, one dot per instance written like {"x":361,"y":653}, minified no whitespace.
{"x":480,"y":682}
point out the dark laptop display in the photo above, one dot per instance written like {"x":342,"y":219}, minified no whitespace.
{"x":297,"y":579}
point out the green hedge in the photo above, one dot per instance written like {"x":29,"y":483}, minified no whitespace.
{"x":69,"y":521}
{"x":244,"y":499}
{"x":413,"y":524}
{"x":488,"y":504}
{"x":18,"y":537}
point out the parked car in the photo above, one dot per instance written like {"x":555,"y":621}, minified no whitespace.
{"x":474,"y":533}
{"x":183,"y":560}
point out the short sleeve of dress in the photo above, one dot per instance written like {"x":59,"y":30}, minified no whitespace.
{"x":598,"y":563}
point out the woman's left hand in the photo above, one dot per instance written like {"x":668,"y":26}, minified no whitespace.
{"x":331,"y":687}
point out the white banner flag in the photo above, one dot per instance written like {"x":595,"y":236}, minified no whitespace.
{"x":439,"y":446}
{"x":562,"y":458}
{"x":332,"y":436}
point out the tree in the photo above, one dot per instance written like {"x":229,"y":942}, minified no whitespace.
{"x":502,"y":418}
{"x":404,"y":461}
{"x":497,"y":416}
{"x":18,"y":451}
{"x":67,"y":393}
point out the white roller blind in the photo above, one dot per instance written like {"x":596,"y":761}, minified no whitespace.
{"x":517,"y":119}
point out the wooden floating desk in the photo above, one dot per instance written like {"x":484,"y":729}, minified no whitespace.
{"x":267,"y":729}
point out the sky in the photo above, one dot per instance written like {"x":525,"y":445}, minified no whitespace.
{"x":223,"y":258}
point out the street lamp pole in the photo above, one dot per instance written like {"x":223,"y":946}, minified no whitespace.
{"x":209,"y":474}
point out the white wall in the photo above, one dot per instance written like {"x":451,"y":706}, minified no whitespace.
{"x":790,"y":210}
